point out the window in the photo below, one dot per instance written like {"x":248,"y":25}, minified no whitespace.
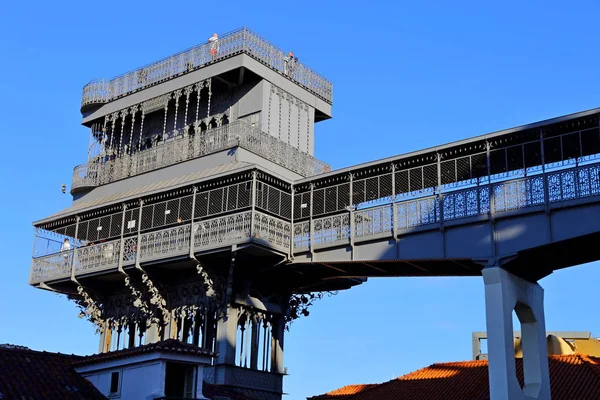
{"x":180,"y":380}
{"x":114,"y":383}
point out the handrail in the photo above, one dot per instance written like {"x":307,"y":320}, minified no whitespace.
{"x":229,"y":45}
{"x":433,"y":210}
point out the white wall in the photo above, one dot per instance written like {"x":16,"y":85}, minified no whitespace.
{"x":141,"y":381}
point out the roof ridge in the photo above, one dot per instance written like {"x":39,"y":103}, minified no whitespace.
{"x":169,"y":346}
{"x":27,"y":350}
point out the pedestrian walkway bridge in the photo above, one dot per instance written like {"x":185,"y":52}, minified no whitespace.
{"x":529,"y":197}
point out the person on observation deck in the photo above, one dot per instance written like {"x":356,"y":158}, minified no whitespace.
{"x":214,"y":46}
{"x":289,"y":63}
{"x":66,"y":246}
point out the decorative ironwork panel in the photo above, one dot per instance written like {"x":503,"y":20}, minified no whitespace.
{"x":129,"y":250}
{"x":165,"y":243}
{"x":97,"y":257}
{"x":51,"y":267}
{"x":183,"y":147}
{"x":302,"y":235}
{"x":466,"y":203}
{"x":374,"y":221}
{"x":517,"y":194}
{"x":274,"y":231}
{"x":418,"y":212}
{"x":222,"y":231}
{"x":332,"y":230}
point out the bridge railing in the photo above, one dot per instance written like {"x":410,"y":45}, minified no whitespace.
{"x":482,"y":200}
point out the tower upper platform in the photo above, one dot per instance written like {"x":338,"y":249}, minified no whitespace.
{"x":241,"y":48}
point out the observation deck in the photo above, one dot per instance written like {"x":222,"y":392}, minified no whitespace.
{"x":240,"y":41}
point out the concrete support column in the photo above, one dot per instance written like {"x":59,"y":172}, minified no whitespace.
{"x":226,"y":337}
{"x":199,"y":382}
{"x":505,"y":292}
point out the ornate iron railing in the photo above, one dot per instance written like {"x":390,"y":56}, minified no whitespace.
{"x":166,"y":243}
{"x":483,"y":200}
{"x":187,"y":147}
{"x":333,"y":230}
{"x":51,"y":267}
{"x":273,"y":231}
{"x":222,"y":231}
{"x":97,"y":257}
{"x":236,"y":42}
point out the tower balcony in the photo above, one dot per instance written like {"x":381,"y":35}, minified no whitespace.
{"x":181,"y":147}
{"x":229,"y":45}
{"x":87,"y":258}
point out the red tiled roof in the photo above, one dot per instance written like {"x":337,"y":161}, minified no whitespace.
{"x":344,"y":392}
{"x":571,"y":377}
{"x":29,"y":374}
{"x":166,"y":346}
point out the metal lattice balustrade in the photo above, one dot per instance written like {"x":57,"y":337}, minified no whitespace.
{"x":236,"y":42}
{"x":402,"y":217}
{"x":187,"y":147}
{"x":395,"y":218}
{"x":166,"y":243}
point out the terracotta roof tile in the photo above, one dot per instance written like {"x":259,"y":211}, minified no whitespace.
{"x":166,"y":346}
{"x":29,"y":374}
{"x":343,"y":392}
{"x":571,"y":377}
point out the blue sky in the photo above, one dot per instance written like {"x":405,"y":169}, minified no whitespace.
{"x":406,"y":75}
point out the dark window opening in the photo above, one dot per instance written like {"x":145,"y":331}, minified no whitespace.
{"x":180,"y":380}
{"x":114,"y":382}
